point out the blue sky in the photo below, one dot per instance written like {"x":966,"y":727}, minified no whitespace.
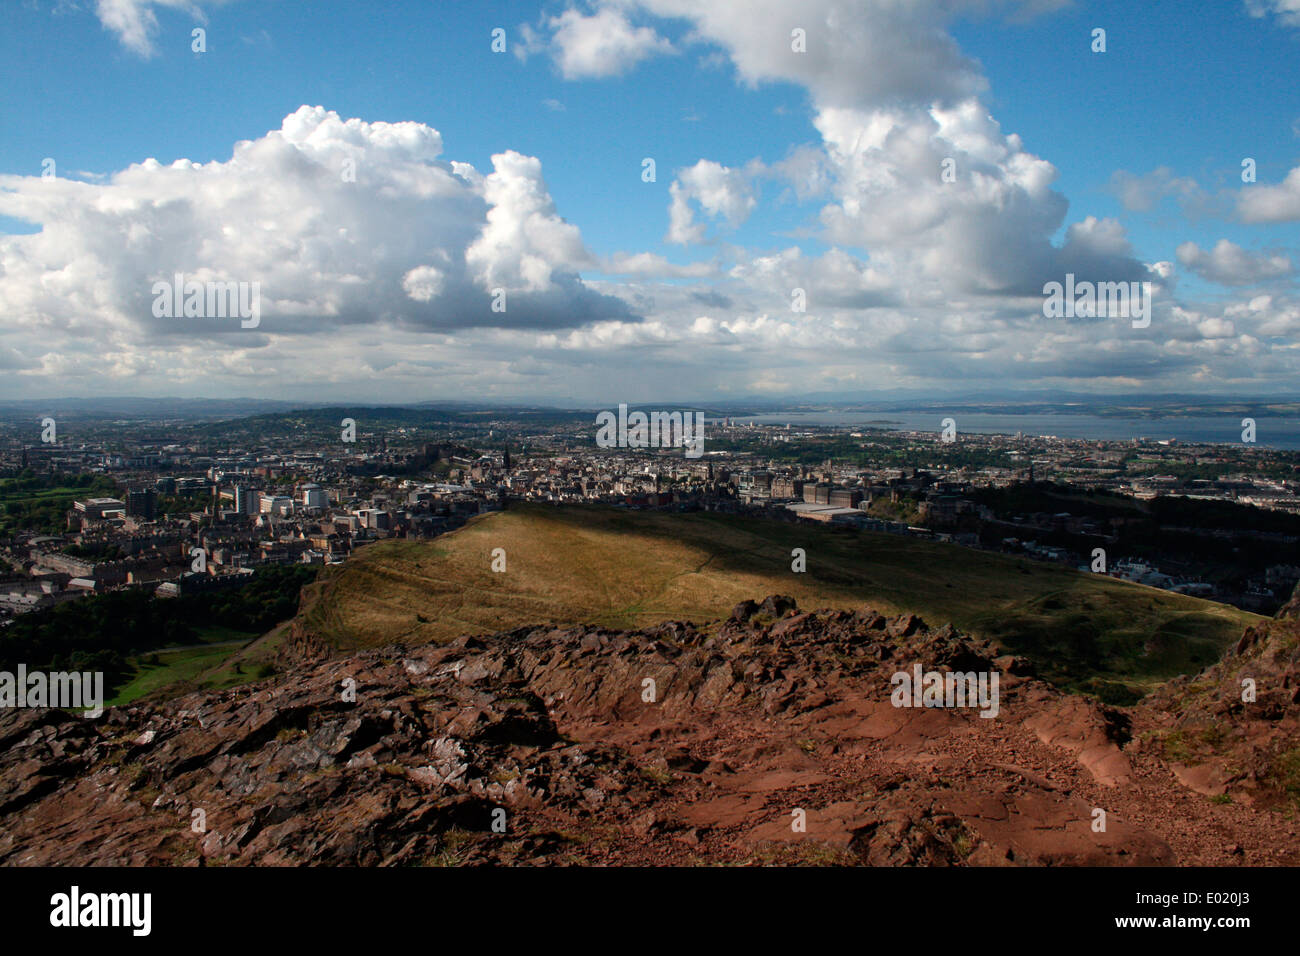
{"x":909,"y":285}
{"x":104,"y":107}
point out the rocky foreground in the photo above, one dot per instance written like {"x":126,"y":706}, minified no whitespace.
{"x":543,"y":746}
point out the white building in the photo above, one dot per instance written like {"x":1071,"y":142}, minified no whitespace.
{"x":280,"y":505}
{"x":313,"y":496}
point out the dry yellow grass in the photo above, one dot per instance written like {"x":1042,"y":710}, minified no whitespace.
{"x":563,"y":567}
{"x":628,"y":569}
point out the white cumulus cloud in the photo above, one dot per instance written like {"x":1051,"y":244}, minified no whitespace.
{"x":600,"y":44}
{"x":341,"y":223}
{"x":1257,"y":203}
{"x":720,"y":191}
{"x":1229,"y":264}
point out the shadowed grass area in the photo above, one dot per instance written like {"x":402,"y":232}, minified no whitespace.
{"x":165,"y":668}
{"x":226,"y":658}
{"x":620,"y":569}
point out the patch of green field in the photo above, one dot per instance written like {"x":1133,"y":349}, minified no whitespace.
{"x":254,"y":661}
{"x":24,"y":506}
{"x":625,"y":569}
{"x":219,"y":634}
{"x":226,"y":657}
{"x":172,"y":666}
{"x":39,"y":493}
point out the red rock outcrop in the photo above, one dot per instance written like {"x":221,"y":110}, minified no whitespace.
{"x":771,"y":736}
{"x":1232,"y":732}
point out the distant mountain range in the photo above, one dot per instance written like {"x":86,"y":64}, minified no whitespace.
{"x":220,"y":409}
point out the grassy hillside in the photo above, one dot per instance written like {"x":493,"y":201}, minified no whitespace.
{"x":627,"y":569}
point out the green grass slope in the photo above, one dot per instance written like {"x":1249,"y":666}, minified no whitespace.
{"x":628,"y":569}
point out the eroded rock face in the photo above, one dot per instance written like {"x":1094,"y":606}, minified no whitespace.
{"x":1088,"y":730}
{"x":770,"y":736}
{"x":1232,"y":732}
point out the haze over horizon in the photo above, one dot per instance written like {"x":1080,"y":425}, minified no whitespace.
{"x":919,"y":172}
{"x":760,"y":405}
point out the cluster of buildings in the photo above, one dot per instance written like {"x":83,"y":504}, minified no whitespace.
{"x":176,"y":534}
{"x":191,"y":514}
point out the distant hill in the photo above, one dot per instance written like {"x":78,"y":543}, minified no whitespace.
{"x":619,"y":569}
{"x":142,"y":409}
